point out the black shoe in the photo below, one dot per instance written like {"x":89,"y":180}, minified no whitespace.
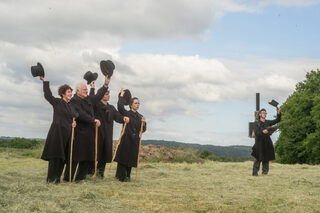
{"x":255,"y":174}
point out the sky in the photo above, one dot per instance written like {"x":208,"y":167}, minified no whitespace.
{"x":195,"y":65}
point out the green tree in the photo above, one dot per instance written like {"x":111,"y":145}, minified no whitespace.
{"x":299,"y":140}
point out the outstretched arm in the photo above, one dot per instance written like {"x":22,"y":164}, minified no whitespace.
{"x":278,"y":119}
{"x":120,"y":104}
{"x":47,"y":92}
{"x":101,"y":92}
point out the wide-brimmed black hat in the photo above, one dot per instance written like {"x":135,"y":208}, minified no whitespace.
{"x":89,"y":76}
{"x":274,"y":103}
{"x":107,"y":67}
{"x":126,"y":97}
{"x":37,"y":70}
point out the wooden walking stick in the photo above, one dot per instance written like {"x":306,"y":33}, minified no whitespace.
{"x":115,"y":151}
{"x":71,"y":147}
{"x":96,"y":155}
{"x":141,"y":129}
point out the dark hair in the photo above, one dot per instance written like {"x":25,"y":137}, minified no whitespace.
{"x":263,"y":109}
{"x":131,"y":101}
{"x":63,"y":89}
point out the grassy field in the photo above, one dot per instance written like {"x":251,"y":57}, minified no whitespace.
{"x":162,"y":187}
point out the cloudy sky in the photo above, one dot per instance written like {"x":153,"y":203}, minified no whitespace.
{"x":195,"y":64}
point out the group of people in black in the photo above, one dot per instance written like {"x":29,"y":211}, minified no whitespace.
{"x":83,"y":113}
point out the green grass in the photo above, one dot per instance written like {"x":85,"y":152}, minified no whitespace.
{"x":162,"y":187}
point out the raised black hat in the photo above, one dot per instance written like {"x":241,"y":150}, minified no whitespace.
{"x":37,"y":70}
{"x":126,"y":97}
{"x":89,"y":76}
{"x":107,"y":67}
{"x":274,"y":103}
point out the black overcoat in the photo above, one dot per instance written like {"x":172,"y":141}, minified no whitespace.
{"x":127,"y":153}
{"x":84,"y":133}
{"x":263,"y":149}
{"x":59,"y":134}
{"x":107,"y":114}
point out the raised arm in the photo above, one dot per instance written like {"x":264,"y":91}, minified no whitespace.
{"x":120,"y":104}
{"x":101,"y":92}
{"x":92,"y":89}
{"x":47,"y":92}
{"x":116,"y":116}
{"x":277,"y":120}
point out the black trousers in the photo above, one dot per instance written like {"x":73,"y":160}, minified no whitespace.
{"x":81,"y":172}
{"x":101,"y":165}
{"x":55,"y":168}
{"x":123,"y":172}
{"x":256,"y":167}
{"x":101,"y":168}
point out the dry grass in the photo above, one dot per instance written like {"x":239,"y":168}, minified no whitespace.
{"x":162,"y":187}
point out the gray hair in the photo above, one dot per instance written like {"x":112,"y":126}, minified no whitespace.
{"x":79,"y":85}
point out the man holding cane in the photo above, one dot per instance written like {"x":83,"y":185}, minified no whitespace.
{"x":83,"y":148}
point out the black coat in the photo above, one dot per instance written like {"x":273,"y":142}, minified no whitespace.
{"x":127,"y":153}
{"x":59,"y":134}
{"x":263,"y":149}
{"x":84,"y":134}
{"x":107,"y":114}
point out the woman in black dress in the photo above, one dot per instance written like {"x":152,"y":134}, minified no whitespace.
{"x":56,"y":147}
{"x":127,"y":154}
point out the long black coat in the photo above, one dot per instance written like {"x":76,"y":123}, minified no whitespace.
{"x":107,"y":114}
{"x":59,"y":134}
{"x":127,"y":153}
{"x":263,"y":149}
{"x":83,"y":145}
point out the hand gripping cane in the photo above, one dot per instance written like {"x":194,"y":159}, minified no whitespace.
{"x":71,"y":147}
{"x":141,"y":129}
{"x":115,"y":151}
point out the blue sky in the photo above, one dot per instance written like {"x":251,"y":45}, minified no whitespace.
{"x":195,"y":65}
{"x":274,"y":32}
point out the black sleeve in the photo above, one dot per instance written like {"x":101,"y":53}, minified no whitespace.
{"x":144,"y":128}
{"x":48,"y":94}
{"x":120,"y":106}
{"x":97,"y":97}
{"x":91,"y":92}
{"x":82,"y":115}
{"x":277,"y":120}
{"x":117,"y":117}
{"x":257,"y":129}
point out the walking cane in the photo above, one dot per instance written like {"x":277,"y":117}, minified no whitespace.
{"x":141,"y":129}
{"x":115,"y":151}
{"x":96,"y":154}
{"x":71,"y":147}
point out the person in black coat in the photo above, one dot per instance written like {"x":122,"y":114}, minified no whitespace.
{"x":84,"y":146}
{"x":263,"y":150}
{"x":56,"y":147}
{"x":107,"y":114}
{"x":127,"y":153}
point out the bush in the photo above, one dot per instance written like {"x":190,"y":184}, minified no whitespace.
{"x":20,"y":143}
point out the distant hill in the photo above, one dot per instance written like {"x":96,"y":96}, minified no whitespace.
{"x":230,"y":151}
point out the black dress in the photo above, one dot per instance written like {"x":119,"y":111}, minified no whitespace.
{"x":107,"y":114}
{"x":56,"y":147}
{"x":127,"y":154}
{"x":263,"y":149}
